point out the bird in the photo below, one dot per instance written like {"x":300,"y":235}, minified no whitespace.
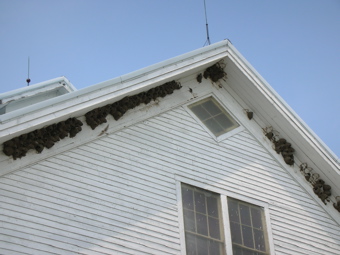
{"x":104,"y":130}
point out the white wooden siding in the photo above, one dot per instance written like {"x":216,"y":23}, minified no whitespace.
{"x":117,"y":194}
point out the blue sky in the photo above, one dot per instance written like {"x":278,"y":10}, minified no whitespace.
{"x":293,"y":44}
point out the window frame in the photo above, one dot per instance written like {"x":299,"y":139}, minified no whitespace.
{"x":263,"y":218}
{"x":194,"y":209}
{"x":221,"y":137}
{"x":224,"y":211}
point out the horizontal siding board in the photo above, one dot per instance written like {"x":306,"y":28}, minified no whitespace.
{"x":306,"y":244}
{"x":153,"y":165}
{"x":121,"y":181}
{"x":215,"y":152}
{"x":220,"y":165}
{"x":40,"y":234}
{"x":308,"y":222}
{"x":176,"y":155}
{"x":246,"y":138}
{"x":245,"y":149}
{"x":170,"y":119}
{"x":15,"y":250}
{"x":105,"y":188}
{"x":75,"y":222}
{"x":31,"y":234}
{"x":181,"y":121}
{"x":309,"y":235}
{"x":213,"y":156}
{"x":27,"y":240}
{"x":98,"y":213}
{"x":187,"y":165}
{"x":180,"y":138}
{"x":288,"y":248}
{"x":38,"y":248}
{"x":240,"y":144}
{"x":205,"y":176}
{"x":107,"y":204}
{"x":87,"y":232}
{"x":42,"y":224}
{"x":115,"y":163}
{"x":117,"y":168}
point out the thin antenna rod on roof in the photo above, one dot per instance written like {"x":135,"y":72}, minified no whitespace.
{"x":206,"y":26}
{"x":28,"y":80}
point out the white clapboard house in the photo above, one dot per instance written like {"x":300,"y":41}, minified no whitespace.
{"x":193,"y":155}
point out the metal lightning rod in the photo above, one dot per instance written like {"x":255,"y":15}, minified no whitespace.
{"x":28,"y":80}
{"x":206,"y":26}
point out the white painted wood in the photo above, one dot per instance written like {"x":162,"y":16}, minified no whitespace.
{"x":180,"y":217}
{"x":226,"y":225}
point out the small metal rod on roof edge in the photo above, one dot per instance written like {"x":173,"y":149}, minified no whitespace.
{"x":28,"y":80}
{"x":206,"y":26}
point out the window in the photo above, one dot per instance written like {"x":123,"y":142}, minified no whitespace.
{"x":213,"y":116}
{"x":202,"y":221}
{"x":204,"y":233}
{"x":247,"y":228}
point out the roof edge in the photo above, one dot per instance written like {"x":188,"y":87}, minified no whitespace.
{"x":39,"y":85}
{"x":112,"y":82}
{"x":289,"y":112}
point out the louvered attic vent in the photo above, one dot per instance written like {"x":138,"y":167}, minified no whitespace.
{"x":213,"y":116}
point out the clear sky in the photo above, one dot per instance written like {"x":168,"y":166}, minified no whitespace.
{"x":293,"y":44}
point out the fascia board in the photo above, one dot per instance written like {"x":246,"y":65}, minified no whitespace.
{"x":33,"y":89}
{"x":79,"y":102}
{"x":69,"y":86}
{"x":30,"y":93}
{"x":285,"y":110}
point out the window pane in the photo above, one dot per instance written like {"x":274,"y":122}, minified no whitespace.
{"x":213,"y":126}
{"x":187,"y":198}
{"x":216,"y":248}
{"x":202,"y":226}
{"x":235,"y":230}
{"x":211,"y":108}
{"x":259,"y":240}
{"x":202,"y":246}
{"x":190,"y":242}
{"x":213,"y":116}
{"x":214,"y":228}
{"x":237,"y":250}
{"x":249,"y":252}
{"x":256,"y":218}
{"x":233,"y":210}
{"x":247,"y":235}
{"x":200,"y":202}
{"x":189,"y":220}
{"x":200,"y":112}
{"x":224,"y":121}
{"x":245,"y":215}
{"x":212,"y":206}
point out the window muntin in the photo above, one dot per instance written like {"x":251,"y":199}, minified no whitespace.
{"x":247,"y":228}
{"x":202,"y":221}
{"x":213,"y":116}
